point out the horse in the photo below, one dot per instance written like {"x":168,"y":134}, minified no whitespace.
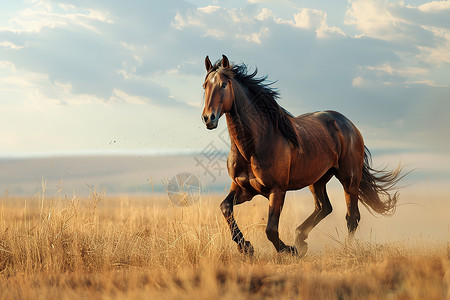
{"x":273,"y":152}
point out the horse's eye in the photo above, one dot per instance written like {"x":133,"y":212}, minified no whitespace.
{"x":224,"y":85}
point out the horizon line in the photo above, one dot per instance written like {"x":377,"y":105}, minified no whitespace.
{"x":97,"y":153}
{"x":162,"y":152}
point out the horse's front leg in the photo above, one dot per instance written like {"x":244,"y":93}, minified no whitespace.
{"x":236,"y":196}
{"x":276,"y":201}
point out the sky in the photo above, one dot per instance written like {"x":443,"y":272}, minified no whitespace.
{"x":109,"y":76}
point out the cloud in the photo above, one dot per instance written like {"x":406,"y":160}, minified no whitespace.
{"x":249,"y":24}
{"x":89,"y":49}
{"x":42,"y":14}
{"x":381,"y":64}
{"x":421,"y":35}
{"x":358,"y":81}
{"x":435,"y":6}
{"x":96,"y":52}
{"x":121,"y":96}
{"x":424,"y":28}
{"x":384,"y":60}
{"x":317,"y":20}
{"x":209,"y":9}
{"x":222,"y":23}
{"x":10,"y":45}
{"x":372,"y":18}
{"x":439,"y":54}
{"x":408,"y":71}
{"x":386,"y":74}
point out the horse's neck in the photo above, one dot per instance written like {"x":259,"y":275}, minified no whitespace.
{"x":245,"y":130}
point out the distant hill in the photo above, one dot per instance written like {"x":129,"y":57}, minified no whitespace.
{"x":114,"y":174}
{"x":143,"y":174}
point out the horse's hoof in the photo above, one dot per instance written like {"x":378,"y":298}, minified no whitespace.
{"x":246,"y":248}
{"x":302,"y":249}
{"x":290,"y":250}
{"x":350,"y":238}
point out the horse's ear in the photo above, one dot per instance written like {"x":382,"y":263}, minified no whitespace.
{"x":208,"y":64}
{"x":225,"y":62}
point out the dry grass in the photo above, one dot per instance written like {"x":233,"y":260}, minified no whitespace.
{"x":69,"y":248}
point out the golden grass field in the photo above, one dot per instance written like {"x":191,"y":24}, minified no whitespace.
{"x":104,"y":247}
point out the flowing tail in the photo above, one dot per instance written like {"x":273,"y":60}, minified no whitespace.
{"x":376,"y":183}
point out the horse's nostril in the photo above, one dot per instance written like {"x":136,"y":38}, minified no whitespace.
{"x":213,"y":117}
{"x":205,"y":118}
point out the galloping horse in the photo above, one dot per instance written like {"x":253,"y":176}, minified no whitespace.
{"x":273,"y":152}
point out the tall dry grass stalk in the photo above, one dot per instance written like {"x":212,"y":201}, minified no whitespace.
{"x":119,"y":247}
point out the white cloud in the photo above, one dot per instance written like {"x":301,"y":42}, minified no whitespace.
{"x":215,"y":33}
{"x":427,"y":82}
{"x":316,"y":20}
{"x":43,"y":14}
{"x":404,"y":72}
{"x":439,"y":54}
{"x":7,"y":65}
{"x":264,"y":14}
{"x":121,"y":96}
{"x":310,"y":18}
{"x":221,"y":23}
{"x":435,"y":6}
{"x":386,"y":74}
{"x":209,"y":9}
{"x":421,"y":32}
{"x":38,"y":90}
{"x":20,"y":80}
{"x":181,"y":22}
{"x":372,"y":18}
{"x":10,"y":45}
{"x":86,"y":49}
{"x":254,"y":37}
{"x":358,"y":81}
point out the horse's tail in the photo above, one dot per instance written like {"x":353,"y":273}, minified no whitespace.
{"x":376,"y":183}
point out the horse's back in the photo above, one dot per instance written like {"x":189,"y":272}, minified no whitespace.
{"x":325,"y":117}
{"x":330,"y":120}
{"x":346,"y":138}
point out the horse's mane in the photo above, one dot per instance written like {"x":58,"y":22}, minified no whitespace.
{"x":263,"y":97}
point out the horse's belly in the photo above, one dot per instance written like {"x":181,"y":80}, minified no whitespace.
{"x":308,"y":172}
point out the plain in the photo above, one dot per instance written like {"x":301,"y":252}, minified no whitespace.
{"x":107,"y":247}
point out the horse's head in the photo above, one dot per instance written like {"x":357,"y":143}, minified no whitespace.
{"x":219,"y":94}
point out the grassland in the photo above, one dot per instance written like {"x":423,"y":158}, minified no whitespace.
{"x":102,"y":247}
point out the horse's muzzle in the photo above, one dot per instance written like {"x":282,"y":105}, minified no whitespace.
{"x":211,"y":121}
{"x":212,"y":125}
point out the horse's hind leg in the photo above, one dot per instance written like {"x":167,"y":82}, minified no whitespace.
{"x":322,"y":209}
{"x":236,"y":196}
{"x":351,"y":188}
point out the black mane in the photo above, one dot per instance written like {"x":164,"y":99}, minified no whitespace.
{"x":263,"y":97}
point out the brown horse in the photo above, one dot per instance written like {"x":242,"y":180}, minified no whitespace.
{"x":273,"y":152}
